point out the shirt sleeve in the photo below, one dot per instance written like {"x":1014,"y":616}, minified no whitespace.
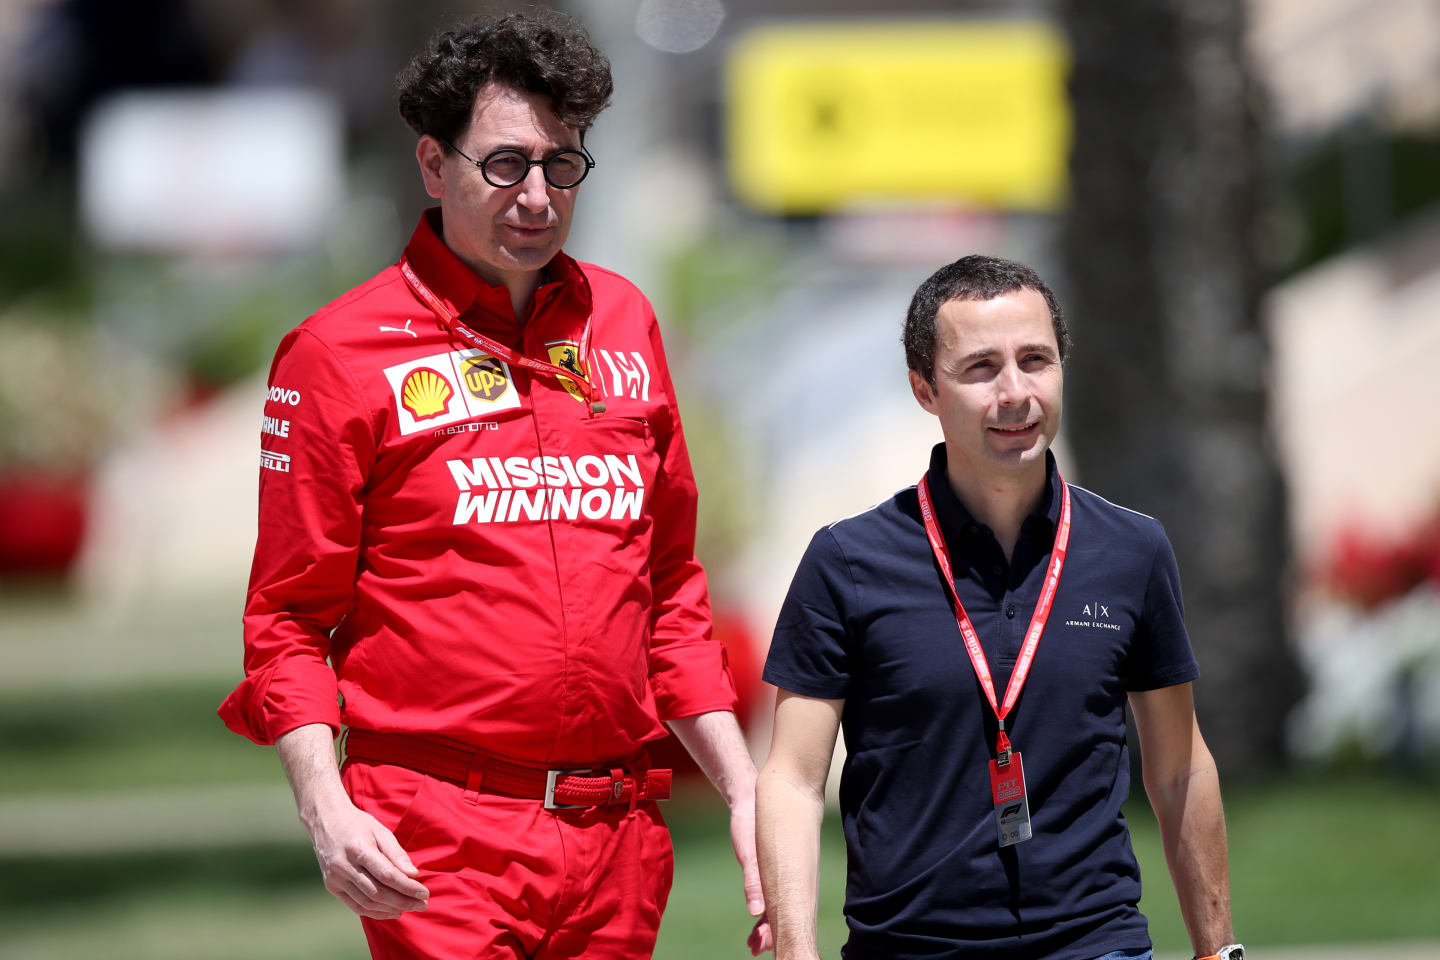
{"x":689,"y":674}
{"x":810,"y":653}
{"x":316,"y":451}
{"x":1161,"y":655}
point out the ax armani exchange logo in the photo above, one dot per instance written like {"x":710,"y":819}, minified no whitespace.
{"x":1096,"y":615}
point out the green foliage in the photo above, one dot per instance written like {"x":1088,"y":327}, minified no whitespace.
{"x":217,"y":320}
{"x":44,"y":259}
{"x":244,"y":336}
{"x":65,"y":393}
{"x":1356,"y":185}
{"x":725,"y":265}
{"x":707,"y":282}
{"x":728,"y":501}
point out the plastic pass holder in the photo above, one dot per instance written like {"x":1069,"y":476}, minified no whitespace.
{"x":1012,"y":808}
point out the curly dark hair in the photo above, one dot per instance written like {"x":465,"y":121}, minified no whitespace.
{"x":974,"y":277}
{"x":546,"y":53}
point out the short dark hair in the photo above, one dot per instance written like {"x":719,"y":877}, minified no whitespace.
{"x":974,"y":277}
{"x":546,"y":53}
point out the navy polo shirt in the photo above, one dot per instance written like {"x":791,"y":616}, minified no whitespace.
{"x":868,"y":619}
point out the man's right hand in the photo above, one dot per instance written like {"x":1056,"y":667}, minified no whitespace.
{"x":361,"y":860}
{"x":363,"y":864}
{"x":789,"y":808}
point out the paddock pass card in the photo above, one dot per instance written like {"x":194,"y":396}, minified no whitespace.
{"x":1012,"y":809}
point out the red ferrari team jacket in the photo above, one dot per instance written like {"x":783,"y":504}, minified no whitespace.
{"x":456,"y":546}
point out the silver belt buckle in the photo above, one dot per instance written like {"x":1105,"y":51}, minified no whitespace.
{"x":550,"y":777}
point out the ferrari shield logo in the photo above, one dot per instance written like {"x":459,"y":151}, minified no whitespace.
{"x":566,"y":354}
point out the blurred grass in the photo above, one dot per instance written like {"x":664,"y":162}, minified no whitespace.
{"x":132,"y":736}
{"x":706,"y":915}
{"x":278,"y":924}
{"x":1313,"y":859}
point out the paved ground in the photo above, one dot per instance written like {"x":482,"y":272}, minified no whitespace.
{"x":149,"y":820}
{"x":47,"y":644}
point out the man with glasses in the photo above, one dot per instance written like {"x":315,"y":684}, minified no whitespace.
{"x":477,"y":521}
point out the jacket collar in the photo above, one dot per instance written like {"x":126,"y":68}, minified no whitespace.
{"x":463,"y":290}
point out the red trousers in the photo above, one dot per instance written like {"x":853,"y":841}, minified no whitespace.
{"x":510,"y":879}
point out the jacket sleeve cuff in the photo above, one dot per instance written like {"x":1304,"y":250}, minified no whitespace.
{"x":289,"y":693}
{"x":690,"y":678}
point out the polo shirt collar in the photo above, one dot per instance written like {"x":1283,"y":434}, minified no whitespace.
{"x":461,"y":288}
{"x":957,"y":522}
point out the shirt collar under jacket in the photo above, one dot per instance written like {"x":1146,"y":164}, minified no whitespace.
{"x":462,"y":289}
{"x":960,"y":527}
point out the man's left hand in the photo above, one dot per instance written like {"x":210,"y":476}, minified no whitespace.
{"x":742,"y":838}
{"x":715,"y":741}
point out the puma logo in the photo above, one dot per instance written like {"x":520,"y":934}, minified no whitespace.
{"x":404,"y":329}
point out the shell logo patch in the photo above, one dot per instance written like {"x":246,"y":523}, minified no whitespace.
{"x":566,"y":353}
{"x":485,"y":377}
{"x":426,"y":393}
{"x":449,"y":387}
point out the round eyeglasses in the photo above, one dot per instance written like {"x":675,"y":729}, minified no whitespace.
{"x":507,"y":166}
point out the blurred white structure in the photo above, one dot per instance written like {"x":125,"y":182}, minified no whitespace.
{"x":174,"y":514}
{"x":1354,"y":391}
{"x":1354,"y":398}
{"x":211,"y":171}
{"x":1358,"y":664}
{"x":1327,"y":60}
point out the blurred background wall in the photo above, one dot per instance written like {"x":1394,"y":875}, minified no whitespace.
{"x":1238,"y":202}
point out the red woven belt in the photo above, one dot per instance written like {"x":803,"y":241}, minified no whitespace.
{"x":459,"y":763}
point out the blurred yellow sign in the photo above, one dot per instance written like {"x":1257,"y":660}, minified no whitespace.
{"x":822,"y":117}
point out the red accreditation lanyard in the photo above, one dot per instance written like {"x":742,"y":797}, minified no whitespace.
{"x":1037,"y":621}
{"x":502,"y":352}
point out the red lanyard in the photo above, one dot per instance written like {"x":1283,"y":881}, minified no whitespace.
{"x":502,"y":352}
{"x":1037,"y":621}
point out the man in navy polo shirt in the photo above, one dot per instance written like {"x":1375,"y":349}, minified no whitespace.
{"x":978,"y":636}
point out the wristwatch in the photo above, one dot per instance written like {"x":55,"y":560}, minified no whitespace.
{"x":1234,"y":951}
